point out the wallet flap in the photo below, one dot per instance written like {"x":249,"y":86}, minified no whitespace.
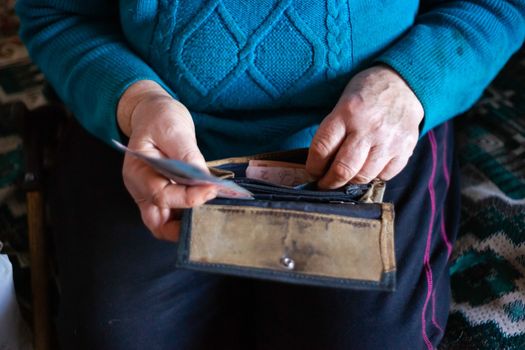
{"x":291,"y":245}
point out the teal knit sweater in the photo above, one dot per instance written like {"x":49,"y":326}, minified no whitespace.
{"x":261,"y":75}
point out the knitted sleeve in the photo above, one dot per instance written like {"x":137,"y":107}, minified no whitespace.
{"x":81,"y":49}
{"x":454,"y":50}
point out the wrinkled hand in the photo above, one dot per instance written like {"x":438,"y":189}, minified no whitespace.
{"x":159,"y":126}
{"x":371,"y":132}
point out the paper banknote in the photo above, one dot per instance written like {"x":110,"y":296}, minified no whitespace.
{"x":278,"y":173}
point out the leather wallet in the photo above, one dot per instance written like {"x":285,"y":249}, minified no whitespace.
{"x":340,"y":238}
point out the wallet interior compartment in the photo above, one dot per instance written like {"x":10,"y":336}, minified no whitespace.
{"x":368,"y":211}
{"x":263,"y":190}
{"x":335,"y":245}
{"x":237,"y":172}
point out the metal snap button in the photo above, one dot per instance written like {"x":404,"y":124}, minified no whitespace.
{"x":288,"y":262}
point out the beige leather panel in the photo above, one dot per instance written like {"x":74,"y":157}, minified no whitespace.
{"x":318,"y":244}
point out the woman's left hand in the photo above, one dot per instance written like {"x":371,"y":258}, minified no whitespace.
{"x":371,"y":132}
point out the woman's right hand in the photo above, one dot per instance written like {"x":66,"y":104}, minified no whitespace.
{"x":159,"y":126}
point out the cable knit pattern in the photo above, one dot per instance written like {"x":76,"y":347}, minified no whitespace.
{"x":334,"y":24}
{"x":163,"y":32}
{"x":261,"y":75}
{"x":279,"y":56}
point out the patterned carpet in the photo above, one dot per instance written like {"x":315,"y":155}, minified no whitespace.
{"x":21,"y":88}
{"x":488,"y":263}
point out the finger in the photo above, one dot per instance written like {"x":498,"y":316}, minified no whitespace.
{"x":170,"y":231}
{"x":324,"y":146}
{"x":347,"y":163}
{"x":178,"y":196}
{"x":160,"y":221}
{"x":394,"y":167}
{"x":376,"y":161}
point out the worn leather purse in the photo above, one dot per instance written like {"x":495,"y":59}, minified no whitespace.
{"x":340,"y":238}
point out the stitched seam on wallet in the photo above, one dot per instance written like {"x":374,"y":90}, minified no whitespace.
{"x":386,"y":281}
{"x":263,"y":271}
{"x":286,"y":212}
{"x":387,"y":238}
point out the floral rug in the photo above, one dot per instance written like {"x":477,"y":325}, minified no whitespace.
{"x":488,"y":263}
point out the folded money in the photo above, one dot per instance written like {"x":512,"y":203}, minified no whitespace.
{"x":278,"y":173}
{"x":186,"y":174}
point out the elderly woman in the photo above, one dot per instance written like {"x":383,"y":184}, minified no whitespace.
{"x":367,"y":85}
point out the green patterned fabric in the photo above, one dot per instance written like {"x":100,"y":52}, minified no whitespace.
{"x":488,"y":263}
{"x":20,"y":87}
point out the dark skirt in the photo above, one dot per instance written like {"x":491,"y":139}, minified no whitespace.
{"x":121,"y":290}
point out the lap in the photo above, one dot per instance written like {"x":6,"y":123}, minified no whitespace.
{"x":120,"y":288}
